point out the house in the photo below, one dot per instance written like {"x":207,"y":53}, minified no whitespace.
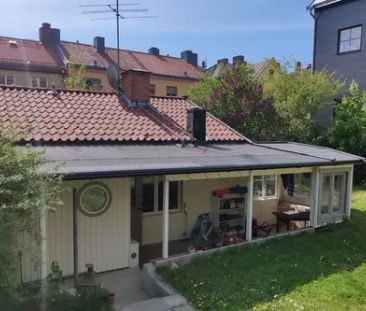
{"x":261,"y":70}
{"x":339,"y":44}
{"x":142,"y":173}
{"x":41,"y":63}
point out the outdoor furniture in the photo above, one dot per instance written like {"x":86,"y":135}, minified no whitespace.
{"x":288,"y":216}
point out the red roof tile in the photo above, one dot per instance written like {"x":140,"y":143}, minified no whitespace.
{"x":28,"y":53}
{"x":37,"y":115}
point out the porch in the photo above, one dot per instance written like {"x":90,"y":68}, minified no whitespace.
{"x":236,"y":207}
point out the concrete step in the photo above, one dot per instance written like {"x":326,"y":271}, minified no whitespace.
{"x":168,"y":303}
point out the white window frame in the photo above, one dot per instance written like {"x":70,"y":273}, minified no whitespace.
{"x":156,"y":210}
{"x":38,"y":82}
{"x":264,"y":187}
{"x":6,"y":78}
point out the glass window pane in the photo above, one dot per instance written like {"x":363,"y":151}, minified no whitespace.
{"x":344,"y":47}
{"x":148,"y":195}
{"x":325,"y":195}
{"x":173,"y":195}
{"x":9,"y":80}
{"x":270,"y":182}
{"x":2,"y":79}
{"x":337,"y":194}
{"x":302,"y":184}
{"x":34,"y":83}
{"x":345,"y":35}
{"x":258,"y":188}
{"x":43,"y":82}
{"x":356,"y":33}
{"x":355,"y":44}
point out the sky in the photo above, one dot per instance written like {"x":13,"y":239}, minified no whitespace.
{"x":214,"y":29}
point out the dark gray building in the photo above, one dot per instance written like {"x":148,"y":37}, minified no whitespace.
{"x":340,"y":38}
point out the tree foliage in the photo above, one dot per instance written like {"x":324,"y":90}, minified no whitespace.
{"x":348,"y":132}
{"x":297,"y":95}
{"x":237,"y":98}
{"x":26,"y":191}
{"x":75,"y":78}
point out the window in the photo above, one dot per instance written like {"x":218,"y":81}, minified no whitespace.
{"x":7,"y":80}
{"x":93,"y":84}
{"x":152,"y":89}
{"x":153,"y":195}
{"x":39,"y":82}
{"x":94,"y":199}
{"x":265,"y":186}
{"x":171,"y":91}
{"x":332,"y":198}
{"x":302,"y":185}
{"x":349,"y":39}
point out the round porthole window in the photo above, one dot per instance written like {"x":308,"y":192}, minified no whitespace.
{"x":94,"y":199}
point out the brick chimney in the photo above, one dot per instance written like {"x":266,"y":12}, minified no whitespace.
{"x":49,"y":36}
{"x":196,"y":123}
{"x":154,"y":51}
{"x":99,"y":44}
{"x":136,"y":87}
{"x":190,"y":57}
{"x":238,"y":59}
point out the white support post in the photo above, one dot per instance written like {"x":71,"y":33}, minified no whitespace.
{"x":349,"y":193}
{"x":249,"y":210}
{"x":43,"y":245}
{"x":314,"y":210}
{"x":165,"y":254}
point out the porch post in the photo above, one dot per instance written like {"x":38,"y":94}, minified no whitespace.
{"x":165,"y":254}
{"x":349,"y":193}
{"x":249,"y":208}
{"x":314,"y":210}
{"x":43,"y":245}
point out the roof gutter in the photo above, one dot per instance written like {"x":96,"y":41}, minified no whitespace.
{"x":207,"y":169}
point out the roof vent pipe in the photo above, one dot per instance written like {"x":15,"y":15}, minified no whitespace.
{"x":196,"y":123}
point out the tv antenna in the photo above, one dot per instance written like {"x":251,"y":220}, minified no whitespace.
{"x":117,"y":10}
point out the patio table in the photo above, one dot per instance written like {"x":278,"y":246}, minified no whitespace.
{"x":289,"y":216}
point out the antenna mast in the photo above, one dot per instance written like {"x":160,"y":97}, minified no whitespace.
{"x":116,"y":10}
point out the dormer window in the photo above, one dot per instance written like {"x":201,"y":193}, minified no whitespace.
{"x":349,"y":39}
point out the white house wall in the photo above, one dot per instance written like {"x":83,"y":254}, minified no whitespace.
{"x":103,"y":240}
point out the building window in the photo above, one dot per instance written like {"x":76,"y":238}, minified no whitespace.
{"x":94,"y":199}
{"x":153,"y":195}
{"x":93,"y":84}
{"x":39,"y":82}
{"x":265,"y":186}
{"x":7,"y":80}
{"x":302,"y":184}
{"x":171,"y":91}
{"x":152,"y":89}
{"x":349,"y":39}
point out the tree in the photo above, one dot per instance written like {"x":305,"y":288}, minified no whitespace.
{"x":75,"y":78}
{"x":348,"y":132}
{"x":26,"y":191}
{"x":297,"y":95}
{"x":236,"y":98}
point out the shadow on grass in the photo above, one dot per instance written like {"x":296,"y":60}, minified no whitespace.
{"x":255,"y":274}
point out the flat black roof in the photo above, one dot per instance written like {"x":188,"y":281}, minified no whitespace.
{"x":96,"y":161}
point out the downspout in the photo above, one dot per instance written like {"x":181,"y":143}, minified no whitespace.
{"x":311,"y":10}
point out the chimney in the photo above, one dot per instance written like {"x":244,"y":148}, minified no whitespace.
{"x":190,"y":57}
{"x":298,"y":66}
{"x":238,"y":59}
{"x":154,"y":51}
{"x":224,"y":61}
{"x":136,"y":87}
{"x":196,"y":123}
{"x":49,"y":36}
{"x":204,"y":64}
{"x":99,"y":44}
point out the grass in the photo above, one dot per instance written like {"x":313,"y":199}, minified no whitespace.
{"x":321,"y":271}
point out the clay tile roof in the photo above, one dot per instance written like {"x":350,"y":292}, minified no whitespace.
{"x":27,"y":53}
{"x":176,"y":109}
{"x":131,"y":60}
{"x":37,"y":115}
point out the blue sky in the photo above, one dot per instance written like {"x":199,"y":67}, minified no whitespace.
{"x":214,"y":29}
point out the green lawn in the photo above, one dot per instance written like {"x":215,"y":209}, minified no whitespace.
{"x":321,"y":271}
